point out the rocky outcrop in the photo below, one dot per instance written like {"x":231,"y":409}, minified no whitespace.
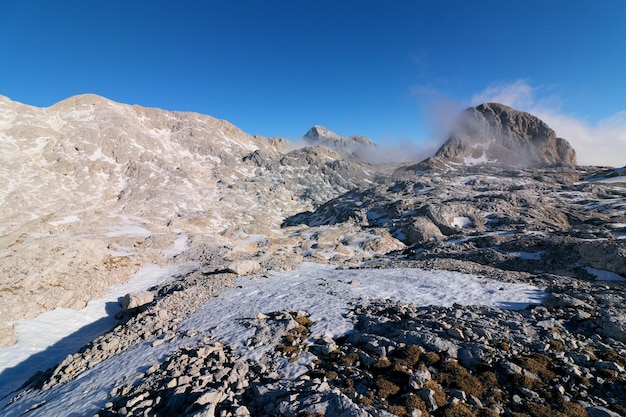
{"x":104,"y":187}
{"x":495,"y":133}
{"x":531,"y":219}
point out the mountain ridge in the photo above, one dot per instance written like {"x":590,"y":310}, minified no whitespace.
{"x":114,"y":176}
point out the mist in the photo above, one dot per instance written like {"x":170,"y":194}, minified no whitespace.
{"x":384,"y":152}
{"x":397,"y":152}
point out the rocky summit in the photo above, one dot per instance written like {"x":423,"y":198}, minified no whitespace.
{"x":351,"y":147}
{"x":496,"y":133}
{"x":92,"y":191}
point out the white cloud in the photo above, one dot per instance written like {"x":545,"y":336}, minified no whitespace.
{"x":518,"y":94}
{"x":603,"y":143}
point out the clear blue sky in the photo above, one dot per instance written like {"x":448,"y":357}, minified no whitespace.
{"x":276,"y":68}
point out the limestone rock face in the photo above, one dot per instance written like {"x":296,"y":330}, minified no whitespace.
{"x":493,"y":132}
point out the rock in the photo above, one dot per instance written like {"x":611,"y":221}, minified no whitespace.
{"x":243,"y":267}
{"x":511,"y":368}
{"x":458,"y":394}
{"x":241,"y":411}
{"x":528,"y":393}
{"x":135,"y":300}
{"x":357,"y":146}
{"x":428,"y":396}
{"x":422,"y":229}
{"x":613,"y":327}
{"x":600,"y":412}
{"x":608,"y":366}
{"x":324,"y":346}
{"x":456,"y":333}
{"x":212,"y":397}
{"x":419,"y":378}
{"x":474,"y":401}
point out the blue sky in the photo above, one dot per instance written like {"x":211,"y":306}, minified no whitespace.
{"x":393,"y":71}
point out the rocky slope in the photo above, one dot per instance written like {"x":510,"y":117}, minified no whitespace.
{"x":548,"y":219}
{"x":93,"y":189}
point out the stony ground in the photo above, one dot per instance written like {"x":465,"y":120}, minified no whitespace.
{"x":566,"y":357}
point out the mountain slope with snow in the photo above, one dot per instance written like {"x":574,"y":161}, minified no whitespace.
{"x":262,"y":278}
{"x":92,"y":189}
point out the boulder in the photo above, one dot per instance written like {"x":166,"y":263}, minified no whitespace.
{"x":135,"y":300}
{"x":243,"y":267}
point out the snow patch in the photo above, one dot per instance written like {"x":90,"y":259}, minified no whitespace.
{"x":180,"y":245}
{"x":532,"y":256}
{"x":45,"y":340}
{"x":326,"y":293}
{"x":127,"y":230}
{"x":461,"y":222}
{"x":609,"y":180}
{"x":322,"y":290}
{"x":65,"y":220}
{"x":603,"y":275}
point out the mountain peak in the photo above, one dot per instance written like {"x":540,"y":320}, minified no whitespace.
{"x":349,"y":147}
{"x":496,"y":133}
{"x":320,"y":133}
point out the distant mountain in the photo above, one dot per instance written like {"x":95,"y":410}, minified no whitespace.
{"x":352,"y":147}
{"x":495,"y":133}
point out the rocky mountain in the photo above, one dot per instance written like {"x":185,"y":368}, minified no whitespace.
{"x":495,"y":133}
{"x":351,"y":147}
{"x":92,"y":190}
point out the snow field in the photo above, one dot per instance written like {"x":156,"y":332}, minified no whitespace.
{"x":323,"y":291}
{"x":326,"y":292}
{"x":47,"y":339}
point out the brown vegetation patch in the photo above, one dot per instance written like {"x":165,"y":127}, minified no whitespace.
{"x":541,"y":410}
{"x":457,"y":410}
{"x":386,"y":387}
{"x":398,"y":410}
{"x":574,"y":410}
{"x":409,"y":355}
{"x":439,"y":395}
{"x":486,"y":412}
{"x":538,"y":364}
{"x":430,"y":358}
{"x":453,"y":375}
{"x":489,"y":380}
{"x":415,"y":402}
{"x":556,"y":345}
{"x":349,"y":360}
{"x":381,"y":365}
{"x":612,"y":356}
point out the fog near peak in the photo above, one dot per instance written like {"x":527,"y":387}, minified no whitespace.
{"x":602,"y":143}
{"x":385,"y":151}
